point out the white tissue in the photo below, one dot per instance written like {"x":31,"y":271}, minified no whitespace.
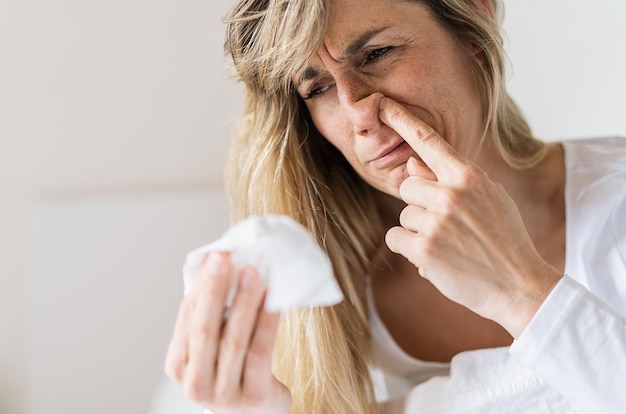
{"x":294,"y":268}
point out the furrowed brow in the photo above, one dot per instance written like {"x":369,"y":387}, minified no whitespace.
{"x":353,"y":48}
{"x":361,"y":41}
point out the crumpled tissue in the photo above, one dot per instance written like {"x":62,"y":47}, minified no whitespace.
{"x":296,"y":271}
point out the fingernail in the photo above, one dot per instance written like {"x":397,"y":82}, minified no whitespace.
{"x":411,"y":164}
{"x":248,"y":279}
{"x":382,"y":103}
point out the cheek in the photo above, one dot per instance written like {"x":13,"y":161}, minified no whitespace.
{"x":330,"y":124}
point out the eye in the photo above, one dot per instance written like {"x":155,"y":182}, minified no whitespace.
{"x":376,"y":54}
{"x":316,"y":91}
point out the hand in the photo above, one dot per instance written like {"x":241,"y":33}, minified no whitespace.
{"x":225,"y":364}
{"x":463,"y":231}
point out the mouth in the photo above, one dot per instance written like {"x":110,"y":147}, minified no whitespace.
{"x":391,"y":155}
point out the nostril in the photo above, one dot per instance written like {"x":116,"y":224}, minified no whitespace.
{"x":363,"y":112}
{"x":360,"y":131}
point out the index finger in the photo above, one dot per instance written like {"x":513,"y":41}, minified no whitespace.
{"x":438,"y":155}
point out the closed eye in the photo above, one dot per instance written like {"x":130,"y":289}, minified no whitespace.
{"x":376,"y":54}
{"x":316,"y":91}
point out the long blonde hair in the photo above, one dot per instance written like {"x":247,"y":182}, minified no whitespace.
{"x":280,"y":164}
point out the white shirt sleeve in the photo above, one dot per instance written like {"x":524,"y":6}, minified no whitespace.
{"x":577,"y":344}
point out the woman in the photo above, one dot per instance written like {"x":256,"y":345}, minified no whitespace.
{"x":384,"y":128}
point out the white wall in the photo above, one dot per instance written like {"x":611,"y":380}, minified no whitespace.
{"x":114,"y":108}
{"x":569,"y":65}
{"x":103,"y":291}
{"x":100,"y":101}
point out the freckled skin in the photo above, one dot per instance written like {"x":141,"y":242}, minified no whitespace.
{"x":397,"y":52}
{"x":419,"y":65}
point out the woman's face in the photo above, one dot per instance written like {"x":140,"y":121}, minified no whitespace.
{"x":397,"y":49}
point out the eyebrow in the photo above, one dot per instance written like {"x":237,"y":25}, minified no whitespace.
{"x":358,"y":44}
{"x":361,"y":41}
{"x":308,"y":74}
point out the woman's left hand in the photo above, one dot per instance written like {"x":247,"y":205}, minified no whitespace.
{"x":463,"y":231}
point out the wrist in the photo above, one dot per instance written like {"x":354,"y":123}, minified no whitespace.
{"x":528,"y":298}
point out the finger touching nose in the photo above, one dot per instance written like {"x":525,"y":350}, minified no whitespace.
{"x":362,"y":111}
{"x":438,"y":155}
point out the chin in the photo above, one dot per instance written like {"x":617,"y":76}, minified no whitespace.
{"x":390,"y":183}
{"x":397,"y":176}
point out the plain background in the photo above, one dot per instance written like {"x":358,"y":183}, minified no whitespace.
{"x":115,"y":118}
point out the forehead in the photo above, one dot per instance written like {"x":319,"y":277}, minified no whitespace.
{"x":350,"y":20}
{"x":356,"y":25}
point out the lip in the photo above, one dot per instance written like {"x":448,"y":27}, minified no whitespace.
{"x":391,"y":154}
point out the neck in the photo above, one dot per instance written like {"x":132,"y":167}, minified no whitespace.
{"x":539,"y":195}
{"x":537,"y":191}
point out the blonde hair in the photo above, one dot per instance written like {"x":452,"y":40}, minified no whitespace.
{"x":280,"y":164}
{"x":504,"y":122}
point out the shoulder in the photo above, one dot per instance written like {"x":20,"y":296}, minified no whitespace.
{"x":595,"y":198}
{"x":583,"y":151}
{"x":597,"y":142}
{"x":595,"y":169}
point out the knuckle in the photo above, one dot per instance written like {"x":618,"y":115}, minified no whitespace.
{"x":396,"y":114}
{"x":254,"y":399}
{"x":174,"y":368}
{"x":404,"y":216}
{"x":391,"y":238}
{"x":204,"y":330}
{"x":233,"y":343}
{"x":197,"y":392}
{"x":424,"y":132}
{"x":428,"y":247}
{"x":450,"y":201}
{"x":247,"y":302}
{"x":470,"y":174}
{"x":405,"y":188}
{"x":259,"y":353}
{"x":396,"y":239}
{"x":418,"y":247}
{"x":216,"y":287}
{"x":430,"y":228}
{"x":223,"y":397}
{"x":428,"y":231}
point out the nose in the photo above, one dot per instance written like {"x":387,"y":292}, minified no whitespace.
{"x":361,"y":107}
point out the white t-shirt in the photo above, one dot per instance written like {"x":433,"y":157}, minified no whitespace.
{"x":572,"y":356}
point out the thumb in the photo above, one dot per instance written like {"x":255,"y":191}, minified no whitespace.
{"x":416,"y":167}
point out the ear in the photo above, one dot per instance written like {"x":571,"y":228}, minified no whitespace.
{"x":487,"y":6}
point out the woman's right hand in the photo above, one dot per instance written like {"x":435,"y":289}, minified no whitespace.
{"x":225,"y":364}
